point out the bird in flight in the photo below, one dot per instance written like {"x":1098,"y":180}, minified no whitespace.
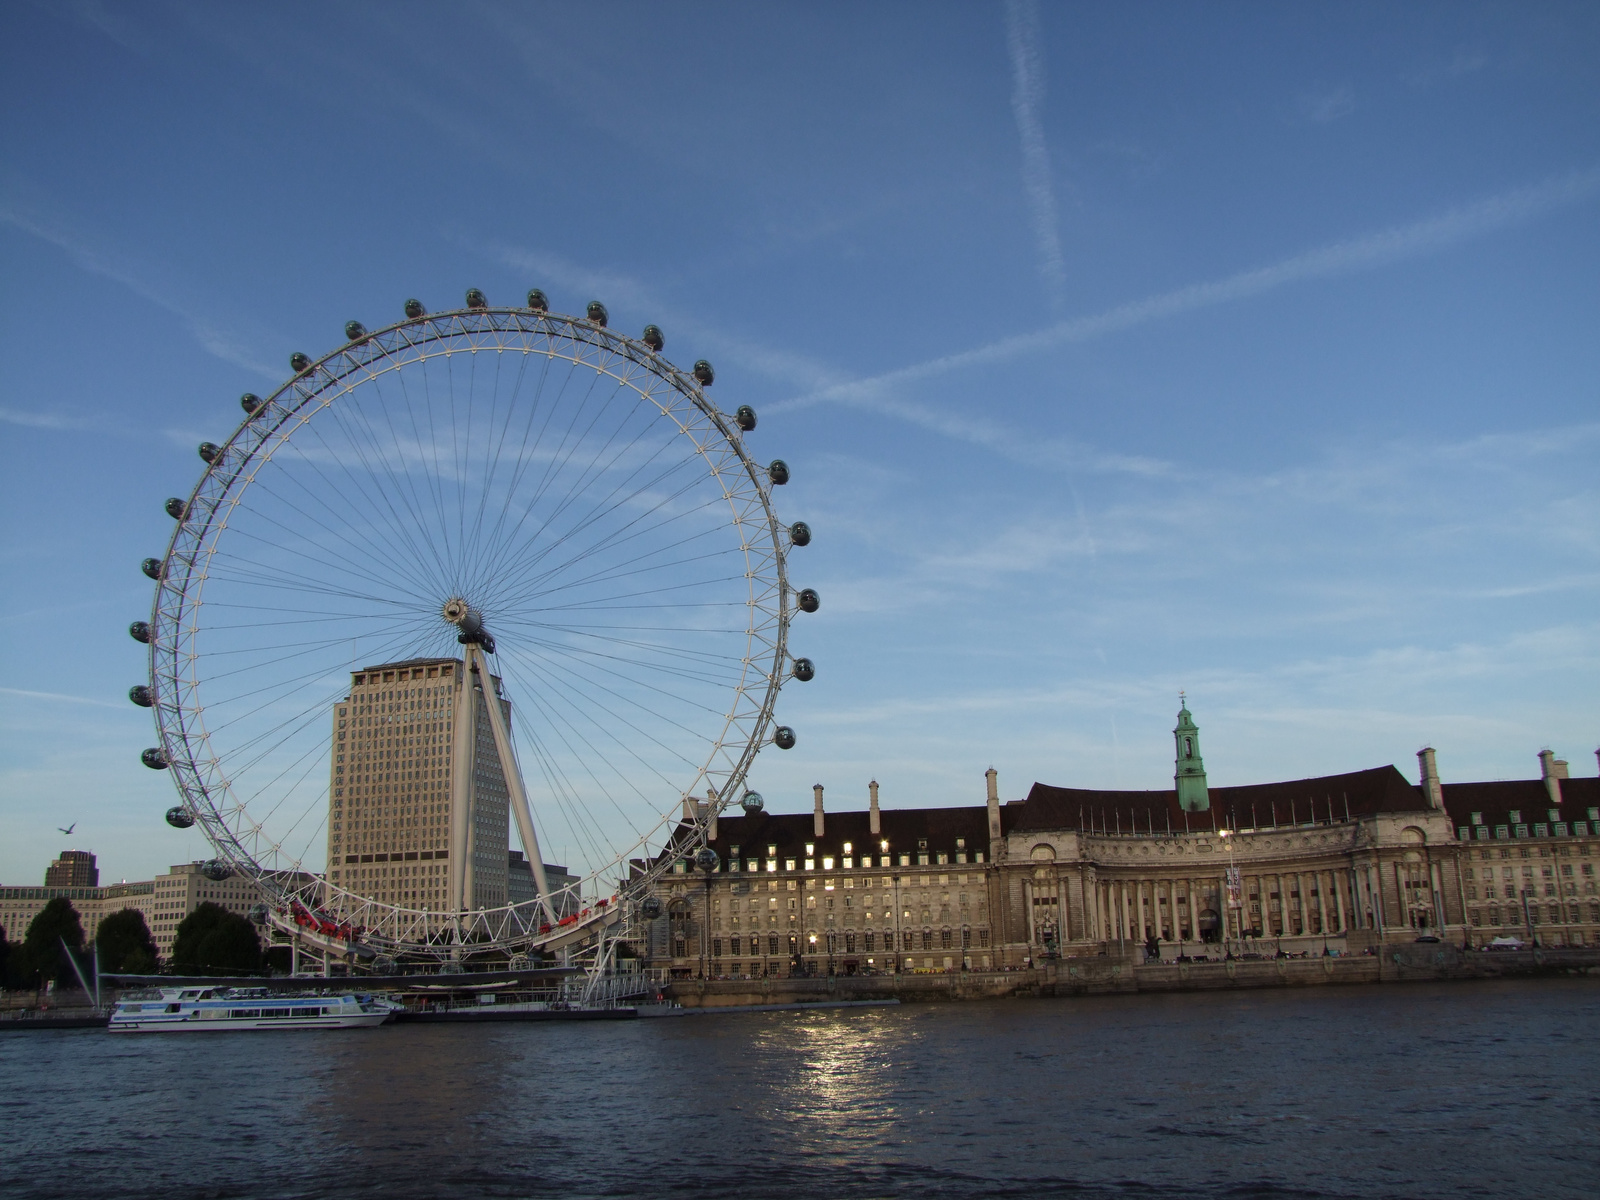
{"x":68,"y":830}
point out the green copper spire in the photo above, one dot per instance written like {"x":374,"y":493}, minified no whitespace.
{"x":1190,"y":775}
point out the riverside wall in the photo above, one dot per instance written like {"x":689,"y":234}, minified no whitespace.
{"x":1120,"y":974}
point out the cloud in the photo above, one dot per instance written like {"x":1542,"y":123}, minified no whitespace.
{"x":61,"y":697}
{"x":29,"y":420}
{"x":1323,"y":108}
{"x":1027,"y":99}
{"x":1367,"y":252}
{"x":215,"y":341}
{"x":794,"y":370}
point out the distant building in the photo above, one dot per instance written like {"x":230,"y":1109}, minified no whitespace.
{"x":393,"y":828}
{"x":519,"y":882}
{"x":74,"y":869}
{"x":19,"y":905}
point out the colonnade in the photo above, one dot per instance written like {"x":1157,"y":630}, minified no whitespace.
{"x":1170,"y":907}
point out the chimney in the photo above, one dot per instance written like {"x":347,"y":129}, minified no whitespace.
{"x":711,"y":807}
{"x":1553,"y":770}
{"x":1431,"y":787}
{"x":874,"y":818}
{"x":688,"y":808}
{"x":816,"y":812}
{"x":994,"y":805}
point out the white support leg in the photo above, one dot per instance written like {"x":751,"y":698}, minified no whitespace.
{"x":513,"y":777}
{"x":463,"y":745}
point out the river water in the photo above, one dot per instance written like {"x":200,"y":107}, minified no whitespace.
{"x":1483,"y":1089}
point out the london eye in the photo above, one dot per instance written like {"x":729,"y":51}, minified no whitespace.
{"x":479,"y":571}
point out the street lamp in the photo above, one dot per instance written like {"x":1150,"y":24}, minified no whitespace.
{"x":708,"y":861}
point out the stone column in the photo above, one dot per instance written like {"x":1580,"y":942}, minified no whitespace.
{"x":1338,"y":896}
{"x":1322,"y":902}
{"x":1305,"y":902}
{"x":1283,"y":904}
{"x":1226,"y":923}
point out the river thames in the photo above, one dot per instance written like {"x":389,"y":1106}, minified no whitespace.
{"x":1486,"y":1089}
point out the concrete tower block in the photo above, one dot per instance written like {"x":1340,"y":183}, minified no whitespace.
{"x":816,"y":811}
{"x":1431,"y":787}
{"x":874,"y":818}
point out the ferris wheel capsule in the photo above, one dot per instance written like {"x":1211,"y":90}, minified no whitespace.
{"x":707,"y":859}
{"x":653,"y":337}
{"x":299,"y":363}
{"x":650,"y":908}
{"x":476,"y":299}
{"x":139,"y":631}
{"x":354,"y":331}
{"x":154,"y":759}
{"x":804,"y":670}
{"x":783,"y":737}
{"x":178,"y":817}
{"x":597,"y":313}
{"x":745,"y":418}
{"x":210,"y":451}
{"x":538,"y":301}
{"x":414,"y":310}
{"x":251,"y":403}
{"x":703,"y":374}
{"x":216,"y":870}
{"x":152,"y":568}
{"x":139,"y":693}
{"x":808,"y":600}
{"x":800,"y":533}
{"x":752,"y":803}
{"x":778,"y":472}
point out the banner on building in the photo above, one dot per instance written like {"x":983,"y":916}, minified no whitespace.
{"x":1235,"y":889}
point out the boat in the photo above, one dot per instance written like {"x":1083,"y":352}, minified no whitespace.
{"x":213,"y":1009}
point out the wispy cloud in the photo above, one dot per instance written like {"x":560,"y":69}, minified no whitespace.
{"x":58,"y":696}
{"x":1027,"y":101}
{"x":549,"y":269}
{"x":33,"y":420}
{"x":1323,"y":108}
{"x":214,"y":340}
{"x":1366,"y":252}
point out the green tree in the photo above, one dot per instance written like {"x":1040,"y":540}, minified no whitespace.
{"x":42,"y":956}
{"x":125,"y":944}
{"x":213,"y":941}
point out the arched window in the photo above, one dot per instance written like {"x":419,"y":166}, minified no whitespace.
{"x":1188,"y":747}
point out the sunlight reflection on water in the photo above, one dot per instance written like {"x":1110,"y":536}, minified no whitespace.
{"x":1484,"y":1089}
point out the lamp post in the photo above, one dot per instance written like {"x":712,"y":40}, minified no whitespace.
{"x":708,"y":861}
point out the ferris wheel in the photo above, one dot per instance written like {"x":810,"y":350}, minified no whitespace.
{"x":483,"y":568}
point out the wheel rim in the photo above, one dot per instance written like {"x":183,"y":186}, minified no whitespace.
{"x":585,"y":477}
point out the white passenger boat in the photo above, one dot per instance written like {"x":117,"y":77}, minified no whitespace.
{"x":196,"y":1009}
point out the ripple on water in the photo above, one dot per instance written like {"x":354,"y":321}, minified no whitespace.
{"x":1347,"y":1092}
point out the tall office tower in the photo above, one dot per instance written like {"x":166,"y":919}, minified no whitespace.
{"x":393,"y":826}
{"x":75,"y":868}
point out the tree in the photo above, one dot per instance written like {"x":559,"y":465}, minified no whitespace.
{"x":213,"y":941}
{"x":42,"y":957}
{"x":125,"y":944}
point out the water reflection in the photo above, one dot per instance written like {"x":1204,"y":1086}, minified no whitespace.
{"x":1418,"y":1091}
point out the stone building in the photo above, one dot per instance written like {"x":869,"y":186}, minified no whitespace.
{"x":1335,"y":864}
{"x":831,"y":893}
{"x":75,"y":868}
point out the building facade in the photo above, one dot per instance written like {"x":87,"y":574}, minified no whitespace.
{"x":395,"y":821}
{"x":19,"y":905}
{"x":74,"y":869}
{"x":1335,"y":864}
{"x":831,"y":893}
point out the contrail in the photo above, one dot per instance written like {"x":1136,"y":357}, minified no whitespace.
{"x":213,"y":340}
{"x":1364,"y":253}
{"x":1027,"y":98}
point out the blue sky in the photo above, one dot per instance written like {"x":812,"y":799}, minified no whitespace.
{"x":1243,"y":349}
